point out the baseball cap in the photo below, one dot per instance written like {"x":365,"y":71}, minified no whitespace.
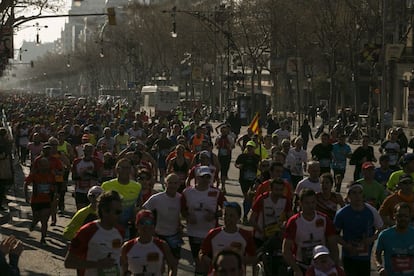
{"x":367,"y":165}
{"x":95,"y":191}
{"x":144,"y":215}
{"x":85,"y":137}
{"x":407,"y":158}
{"x":320,"y":250}
{"x":405,"y":178}
{"x":251,"y":143}
{"x":203,"y":170}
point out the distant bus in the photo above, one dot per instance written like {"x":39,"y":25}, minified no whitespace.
{"x":159,"y":100}
{"x":54,"y":93}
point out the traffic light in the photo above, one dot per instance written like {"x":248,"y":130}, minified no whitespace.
{"x":111,"y":16}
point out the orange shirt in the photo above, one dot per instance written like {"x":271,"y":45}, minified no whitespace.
{"x":43,"y":187}
{"x":265,"y":187}
{"x":173,"y":154}
{"x":387,"y":207}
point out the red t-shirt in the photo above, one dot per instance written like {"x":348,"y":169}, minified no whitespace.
{"x":43,"y":187}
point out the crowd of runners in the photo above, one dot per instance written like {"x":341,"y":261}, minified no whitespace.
{"x":114,"y":155}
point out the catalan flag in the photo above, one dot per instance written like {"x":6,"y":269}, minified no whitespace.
{"x":254,"y":124}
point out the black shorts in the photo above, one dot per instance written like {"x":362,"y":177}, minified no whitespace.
{"x":195,"y":244}
{"x":81,"y":198}
{"x":246,"y":185}
{"x":339,"y":172}
{"x":224,"y":161}
{"x":40,"y":206}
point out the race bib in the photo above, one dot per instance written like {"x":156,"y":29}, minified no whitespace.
{"x":223,"y":151}
{"x":271,"y":229}
{"x":43,"y":188}
{"x":402,"y":264}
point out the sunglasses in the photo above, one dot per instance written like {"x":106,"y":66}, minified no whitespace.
{"x":116,"y":212}
{"x":146,"y":222}
{"x":205,"y":176}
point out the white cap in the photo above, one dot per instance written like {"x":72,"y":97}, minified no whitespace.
{"x":203,"y":170}
{"x":95,"y":191}
{"x":320,"y":250}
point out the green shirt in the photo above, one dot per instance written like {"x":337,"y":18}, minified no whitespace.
{"x":374,"y":192}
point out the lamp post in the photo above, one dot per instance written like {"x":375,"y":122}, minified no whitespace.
{"x":38,"y":28}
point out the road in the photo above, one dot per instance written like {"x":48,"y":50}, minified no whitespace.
{"x":38,"y":259}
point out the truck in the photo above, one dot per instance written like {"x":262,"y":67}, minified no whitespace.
{"x":158,"y":101}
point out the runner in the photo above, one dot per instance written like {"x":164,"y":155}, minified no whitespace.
{"x":311,"y":182}
{"x":199,"y":206}
{"x":322,"y":152}
{"x":296,"y":161}
{"x":396,"y":245}
{"x":248,"y":164}
{"x":270,"y":213}
{"x":304,"y":231}
{"x":129,"y":191}
{"x":86,"y":172}
{"x":228,"y":236}
{"x":84,"y":215}
{"x":403,"y":194}
{"x":227,"y":262}
{"x":166,"y":207}
{"x":340,"y":153}
{"x":43,"y":182}
{"x":146,"y":254}
{"x":357,"y":223}
{"x":327,"y":201}
{"x":96,"y":248}
{"x":224,"y":143}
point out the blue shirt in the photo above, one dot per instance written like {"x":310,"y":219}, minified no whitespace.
{"x":340,"y":153}
{"x":398,"y":251}
{"x":355,"y":226}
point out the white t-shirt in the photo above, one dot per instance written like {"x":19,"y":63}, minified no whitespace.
{"x":282,"y":134}
{"x":82,"y":166}
{"x":144,"y":259}
{"x":295,"y":161}
{"x":307,"y":234}
{"x":168,"y":211}
{"x":217,"y":239}
{"x":98,"y":243}
{"x":199,"y":204}
{"x":306,"y":183}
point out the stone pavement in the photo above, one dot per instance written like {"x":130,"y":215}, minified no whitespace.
{"x":39,"y":259}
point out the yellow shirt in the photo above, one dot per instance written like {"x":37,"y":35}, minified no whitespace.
{"x":395,"y":178}
{"x":130,"y":195}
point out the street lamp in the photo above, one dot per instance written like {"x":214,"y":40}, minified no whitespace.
{"x":38,"y":28}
